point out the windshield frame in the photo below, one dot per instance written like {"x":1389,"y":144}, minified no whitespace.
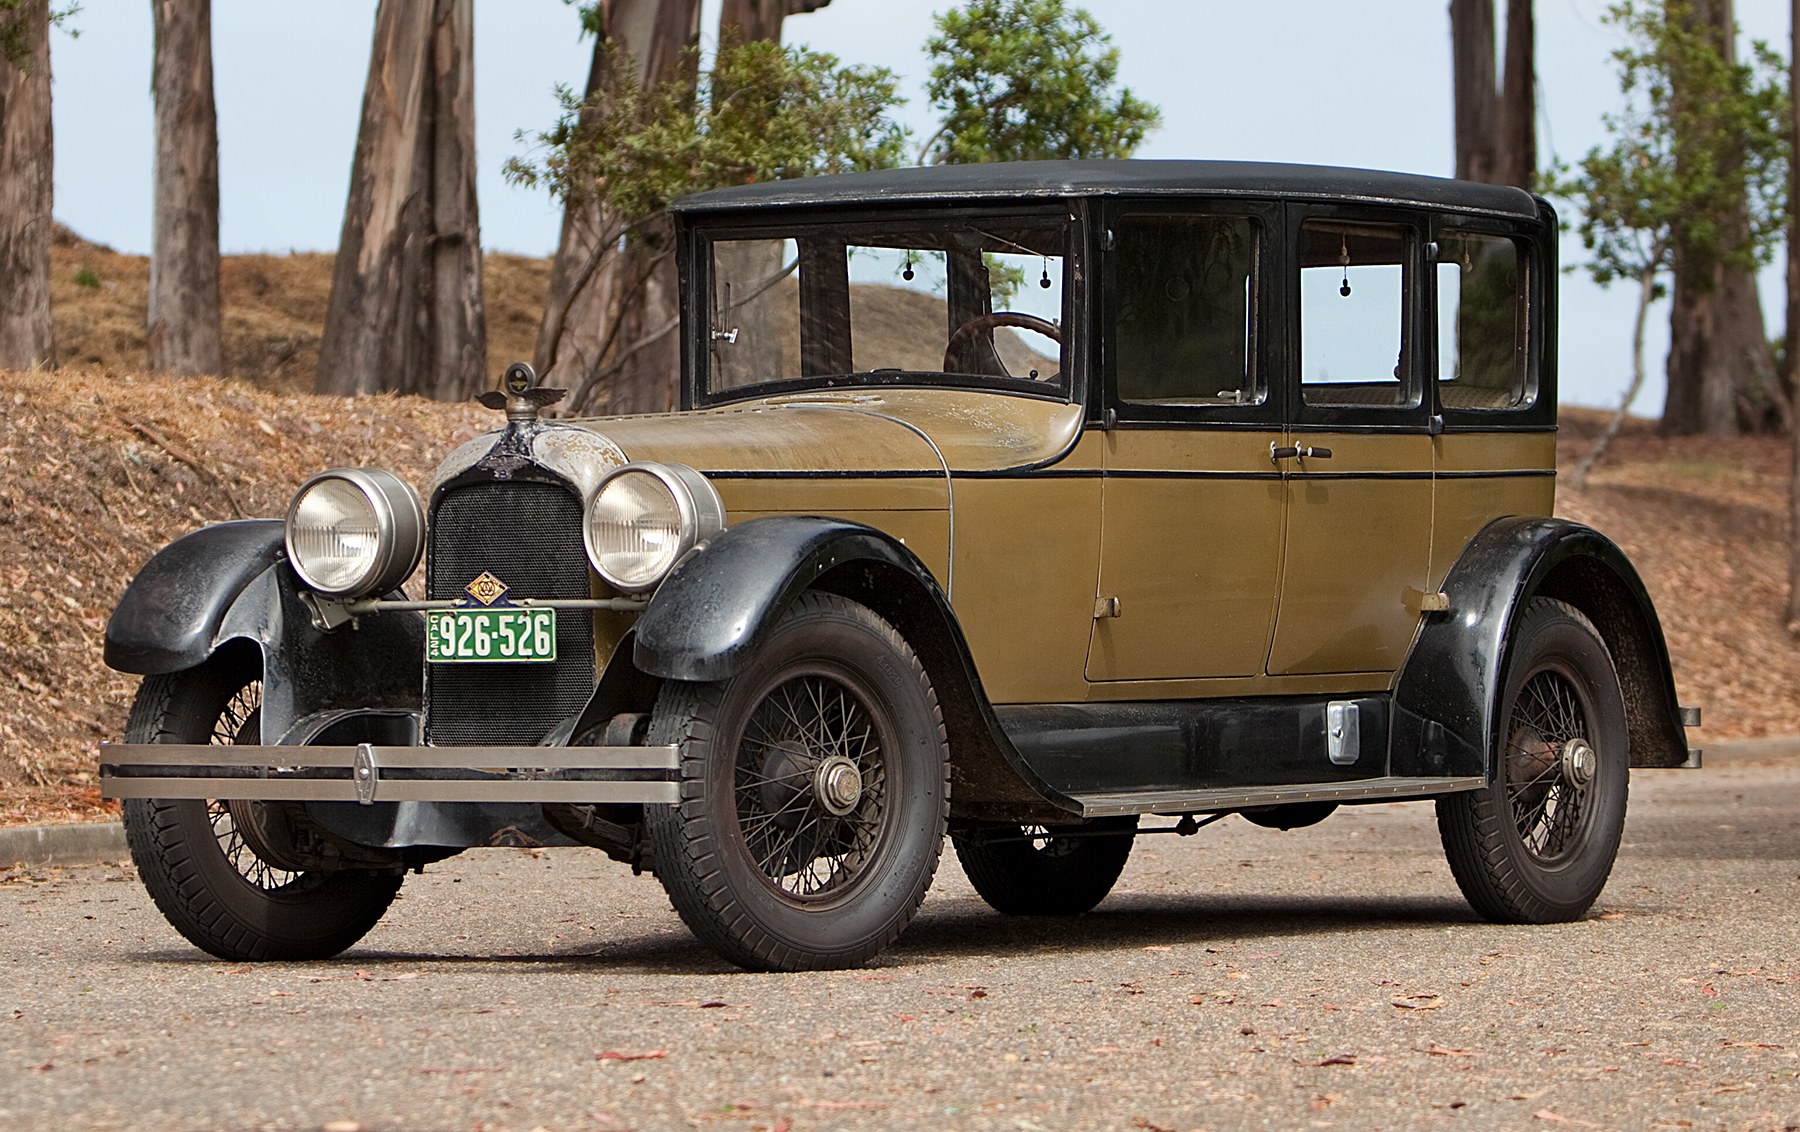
{"x":699,"y":233}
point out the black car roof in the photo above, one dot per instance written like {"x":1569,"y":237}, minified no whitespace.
{"x":1026,"y":180}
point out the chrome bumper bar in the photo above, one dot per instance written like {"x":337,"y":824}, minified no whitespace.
{"x":368,"y":774}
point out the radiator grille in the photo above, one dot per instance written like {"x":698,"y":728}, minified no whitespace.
{"x":528,"y":535}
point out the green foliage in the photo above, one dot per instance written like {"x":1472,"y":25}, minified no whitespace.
{"x":85,"y":277}
{"x":763,"y":112}
{"x":1022,"y":80}
{"x":1698,"y":137}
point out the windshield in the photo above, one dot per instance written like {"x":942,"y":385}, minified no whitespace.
{"x":972,"y":302}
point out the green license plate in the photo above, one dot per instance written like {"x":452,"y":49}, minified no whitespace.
{"x":490,"y":636}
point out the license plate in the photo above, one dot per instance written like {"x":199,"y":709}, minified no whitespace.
{"x":490,"y":636}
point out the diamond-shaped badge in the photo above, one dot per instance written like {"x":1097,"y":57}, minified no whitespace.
{"x":486,"y":588}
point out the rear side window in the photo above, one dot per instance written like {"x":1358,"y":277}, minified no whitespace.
{"x":1353,"y":281}
{"x":1482,"y":347}
{"x":1185,"y":291}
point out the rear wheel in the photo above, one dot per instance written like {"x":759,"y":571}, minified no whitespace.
{"x":1536,"y":844}
{"x":1040,"y":871}
{"x":217,"y":869}
{"x":815,"y":791}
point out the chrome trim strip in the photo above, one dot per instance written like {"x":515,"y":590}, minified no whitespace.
{"x":444,"y":758}
{"x":1239,"y":798}
{"x":388,"y":790}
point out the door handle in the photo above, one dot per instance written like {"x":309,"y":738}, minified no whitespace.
{"x":1302,"y":451}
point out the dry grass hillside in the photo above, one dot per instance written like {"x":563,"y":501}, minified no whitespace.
{"x":101,"y":464}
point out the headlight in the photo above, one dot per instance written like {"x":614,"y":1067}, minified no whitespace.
{"x":643,"y":517}
{"x":353,"y":532}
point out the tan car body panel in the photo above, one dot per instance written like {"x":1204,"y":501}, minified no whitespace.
{"x":1244,"y":596}
{"x":1192,"y":559}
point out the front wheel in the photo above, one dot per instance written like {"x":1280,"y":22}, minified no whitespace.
{"x":814,"y":793}
{"x":215,"y":869}
{"x":1035,"y":870}
{"x":1536,"y":844}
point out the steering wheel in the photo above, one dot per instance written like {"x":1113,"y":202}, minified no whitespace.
{"x":998,"y":318}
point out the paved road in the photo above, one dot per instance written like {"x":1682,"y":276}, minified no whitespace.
{"x":1243,"y":978}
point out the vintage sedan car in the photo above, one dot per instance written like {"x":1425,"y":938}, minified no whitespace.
{"x":1021,"y":503}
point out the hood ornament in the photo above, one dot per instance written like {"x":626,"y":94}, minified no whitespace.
{"x":520,"y":395}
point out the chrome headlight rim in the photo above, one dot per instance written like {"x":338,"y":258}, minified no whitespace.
{"x":700,"y":514}
{"x":399,"y":532}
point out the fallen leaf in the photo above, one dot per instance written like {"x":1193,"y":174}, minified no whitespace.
{"x":835,"y":1105}
{"x":1158,"y":947}
{"x":615,"y":1055}
{"x":1418,"y":1001}
{"x":1436,"y":1050}
{"x":1334,"y":1059}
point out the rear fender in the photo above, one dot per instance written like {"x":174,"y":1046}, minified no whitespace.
{"x":1447,"y":695}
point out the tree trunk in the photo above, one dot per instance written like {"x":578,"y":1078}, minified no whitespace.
{"x":1515,"y":143}
{"x":1793,"y":322}
{"x":26,"y":338}
{"x":1718,"y":354}
{"x":1472,"y":65}
{"x":183,"y":333}
{"x":597,"y":311}
{"x":406,"y":308}
{"x":1496,"y":114}
{"x":761,"y":19}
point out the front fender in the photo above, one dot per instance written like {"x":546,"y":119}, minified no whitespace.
{"x":1447,"y":694}
{"x":229,"y":584}
{"x":170,"y":615}
{"x":710,"y":614}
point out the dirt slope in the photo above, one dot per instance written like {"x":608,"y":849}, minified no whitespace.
{"x":101,"y":464}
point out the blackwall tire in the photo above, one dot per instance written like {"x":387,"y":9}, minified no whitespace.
{"x":203,"y":874}
{"x":815,"y":792}
{"x":1537,"y":843}
{"x":1035,"y":871}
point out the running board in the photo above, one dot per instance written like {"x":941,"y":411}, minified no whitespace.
{"x":1217,"y":799}
{"x":368,"y":774}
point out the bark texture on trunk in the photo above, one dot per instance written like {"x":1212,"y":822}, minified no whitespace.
{"x":1793,"y":320}
{"x":1515,"y":149}
{"x":1496,"y":111}
{"x":761,"y":19}
{"x":183,"y":332}
{"x":1719,"y":366}
{"x":607,"y":333}
{"x":406,"y":308}
{"x":26,"y":192}
{"x":1472,"y":65}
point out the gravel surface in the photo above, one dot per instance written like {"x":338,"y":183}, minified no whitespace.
{"x":1243,"y":978}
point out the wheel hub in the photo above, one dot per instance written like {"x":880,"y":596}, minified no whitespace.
{"x":838,"y":785}
{"x":1579,"y":762}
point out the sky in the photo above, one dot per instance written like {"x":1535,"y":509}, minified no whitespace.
{"x":1316,"y":81}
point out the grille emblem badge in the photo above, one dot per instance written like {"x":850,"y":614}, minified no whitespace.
{"x":486,"y":588}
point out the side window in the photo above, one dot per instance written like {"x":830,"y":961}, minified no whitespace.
{"x":1481,"y":309}
{"x":1185,"y":289}
{"x":1353,"y":316}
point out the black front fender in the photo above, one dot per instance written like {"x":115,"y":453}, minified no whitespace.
{"x":226,"y":585}
{"x":170,"y":616}
{"x":710,"y":614}
{"x":1447,"y":694}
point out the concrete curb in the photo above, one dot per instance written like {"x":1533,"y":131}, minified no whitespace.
{"x":96,"y":843}
{"x":86,"y":843}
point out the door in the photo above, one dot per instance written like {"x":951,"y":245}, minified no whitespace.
{"x":1359,"y":456}
{"x":1191,"y":508}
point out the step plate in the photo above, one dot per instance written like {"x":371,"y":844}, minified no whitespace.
{"x":1246,"y":797}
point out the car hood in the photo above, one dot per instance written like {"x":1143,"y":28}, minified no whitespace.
{"x":832,"y":433}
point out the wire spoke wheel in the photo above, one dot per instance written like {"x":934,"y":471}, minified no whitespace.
{"x":1037,"y":870}
{"x":815,"y":793}
{"x":1538,"y":842}
{"x":811,"y":787}
{"x":222,"y":871}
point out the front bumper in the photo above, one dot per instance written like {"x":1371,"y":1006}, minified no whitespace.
{"x":367,"y":773}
